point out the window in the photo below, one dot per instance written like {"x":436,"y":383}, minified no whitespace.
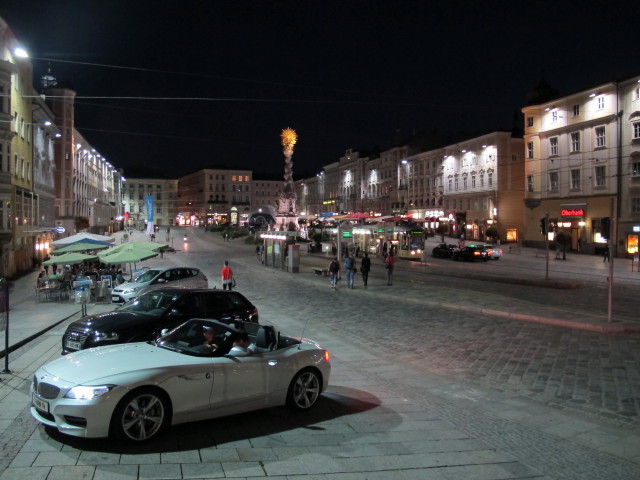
{"x":529,"y":121}
{"x":575,"y":142}
{"x":600,"y":100}
{"x":575,"y":179}
{"x":635,"y":205}
{"x":530,"y":183}
{"x":553,"y":146}
{"x":635,"y":168}
{"x":490,"y":179}
{"x":636,"y":129}
{"x":636,"y":93}
{"x":600,"y":137}
{"x":450,"y":184}
{"x":553,"y":181}
{"x":554,"y":116}
{"x":529,"y":149}
{"x":576,"y":110}
{"x":456,"y":183}
{"x":481,"y":179}
{"x":600,"y":173}
{"x":473,"y":181}
{"x":465,"y":183}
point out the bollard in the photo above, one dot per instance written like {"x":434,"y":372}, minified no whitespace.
{"x":4,"y":289}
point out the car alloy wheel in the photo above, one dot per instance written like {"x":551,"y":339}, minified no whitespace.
{"x":304,"y":390}
{"x":141,"y":415}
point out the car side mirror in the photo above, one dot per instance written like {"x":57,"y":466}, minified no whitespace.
{"x":164,"y":331}
{"x":160,"y":280}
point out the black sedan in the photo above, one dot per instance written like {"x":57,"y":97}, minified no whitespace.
{"x":470,"y":254}
{"x":443,"y":250}
{"x":144,"y":317}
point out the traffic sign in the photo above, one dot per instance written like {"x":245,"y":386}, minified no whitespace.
{"x":59,"y":229}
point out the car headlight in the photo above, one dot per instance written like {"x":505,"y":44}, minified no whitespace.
{"x":88,"y":393}
{"x":106,"y":336}
{"x":126,"y":291}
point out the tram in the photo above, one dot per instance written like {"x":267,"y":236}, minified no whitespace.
{"x":407,"y":240}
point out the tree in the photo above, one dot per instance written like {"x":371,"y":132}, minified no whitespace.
{"x":563,"y":239}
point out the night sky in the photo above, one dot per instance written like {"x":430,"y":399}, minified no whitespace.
{"x":349,"y":74}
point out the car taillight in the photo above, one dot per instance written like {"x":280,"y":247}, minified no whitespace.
{"x":326,"y":356}
{"x":477,"y":253}
{"x":205,"y":278}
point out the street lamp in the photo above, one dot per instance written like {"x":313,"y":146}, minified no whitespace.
{"x":21,"y":53}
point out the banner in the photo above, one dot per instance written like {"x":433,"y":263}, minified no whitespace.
{"x":149,"y":201}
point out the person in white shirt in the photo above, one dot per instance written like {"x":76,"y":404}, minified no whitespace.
{"x":241,"y":345}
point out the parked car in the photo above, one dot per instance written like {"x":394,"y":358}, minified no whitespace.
{"x":159,"y":277}
{"x":443,"y":250}
{"x":134,"y":391}
{"x":471,"y":253}
{"x":493,"y":251}
{"x":144,"y":317}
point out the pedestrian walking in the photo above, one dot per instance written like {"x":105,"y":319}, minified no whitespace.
{"x":257,"y":252}
{"x":365,"y":268}
{"x":334,"y":272}
{"x":227,"y":276}
{"x":606,"y":255}
{"x":350,"y":269}
{"x":389,"y":262}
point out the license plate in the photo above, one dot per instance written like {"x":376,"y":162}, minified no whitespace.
{"x":115,"y":299}
{"x":72,"y":345}
{"x":39,"y":403}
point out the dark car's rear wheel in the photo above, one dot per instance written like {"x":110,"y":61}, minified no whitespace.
{"x":141,"y":415}
{"x":304,"y":390}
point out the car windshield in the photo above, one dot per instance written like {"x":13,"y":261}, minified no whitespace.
{"x":200,"y":338}
{"x":151,"y":303}
{"x":147,"y":276}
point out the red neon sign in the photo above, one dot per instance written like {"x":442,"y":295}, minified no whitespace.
{"x":565,"y":212}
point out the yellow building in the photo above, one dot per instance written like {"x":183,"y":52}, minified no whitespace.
{"x":17,"y":202}
{"x":576,"y":171}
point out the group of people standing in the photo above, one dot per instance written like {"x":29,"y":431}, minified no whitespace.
{"x":351,"y":269}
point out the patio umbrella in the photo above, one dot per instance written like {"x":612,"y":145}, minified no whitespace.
{"x":356,"y":215}
{"x":79,"y":237}
{"x":128,"y":254}
{"x":81,"y":247}
{"x":70,"y":258}
{"x":145,"y":246}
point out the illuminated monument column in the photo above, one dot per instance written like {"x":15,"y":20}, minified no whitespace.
{"x":286,"y":213}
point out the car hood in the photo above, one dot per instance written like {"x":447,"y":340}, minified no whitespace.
{"x":104,"y":364}
{"x":127,"y":285}
{"x":109,"y":320}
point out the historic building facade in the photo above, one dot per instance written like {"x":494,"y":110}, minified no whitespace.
{"x":581,"y":154}
{"x":215,"y":196}
{"x":164,"y":193}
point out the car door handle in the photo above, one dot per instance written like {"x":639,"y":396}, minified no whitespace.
{"x":197,"y":376}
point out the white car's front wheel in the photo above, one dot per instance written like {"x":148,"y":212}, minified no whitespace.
{"x":141,"y":415}
{"x":304,"y":390}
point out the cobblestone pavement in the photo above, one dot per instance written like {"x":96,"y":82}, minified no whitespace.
{"x":418,"y":390}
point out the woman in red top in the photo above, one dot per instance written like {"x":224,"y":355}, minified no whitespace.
{"x":227,"y":276}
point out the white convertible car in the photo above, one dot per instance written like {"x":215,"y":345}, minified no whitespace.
{"x":133,"y":390}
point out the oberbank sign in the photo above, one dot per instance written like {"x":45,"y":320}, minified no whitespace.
{"x":572,"y":212}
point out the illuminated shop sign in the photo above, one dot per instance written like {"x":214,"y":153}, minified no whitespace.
{"x":572,"y":212}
